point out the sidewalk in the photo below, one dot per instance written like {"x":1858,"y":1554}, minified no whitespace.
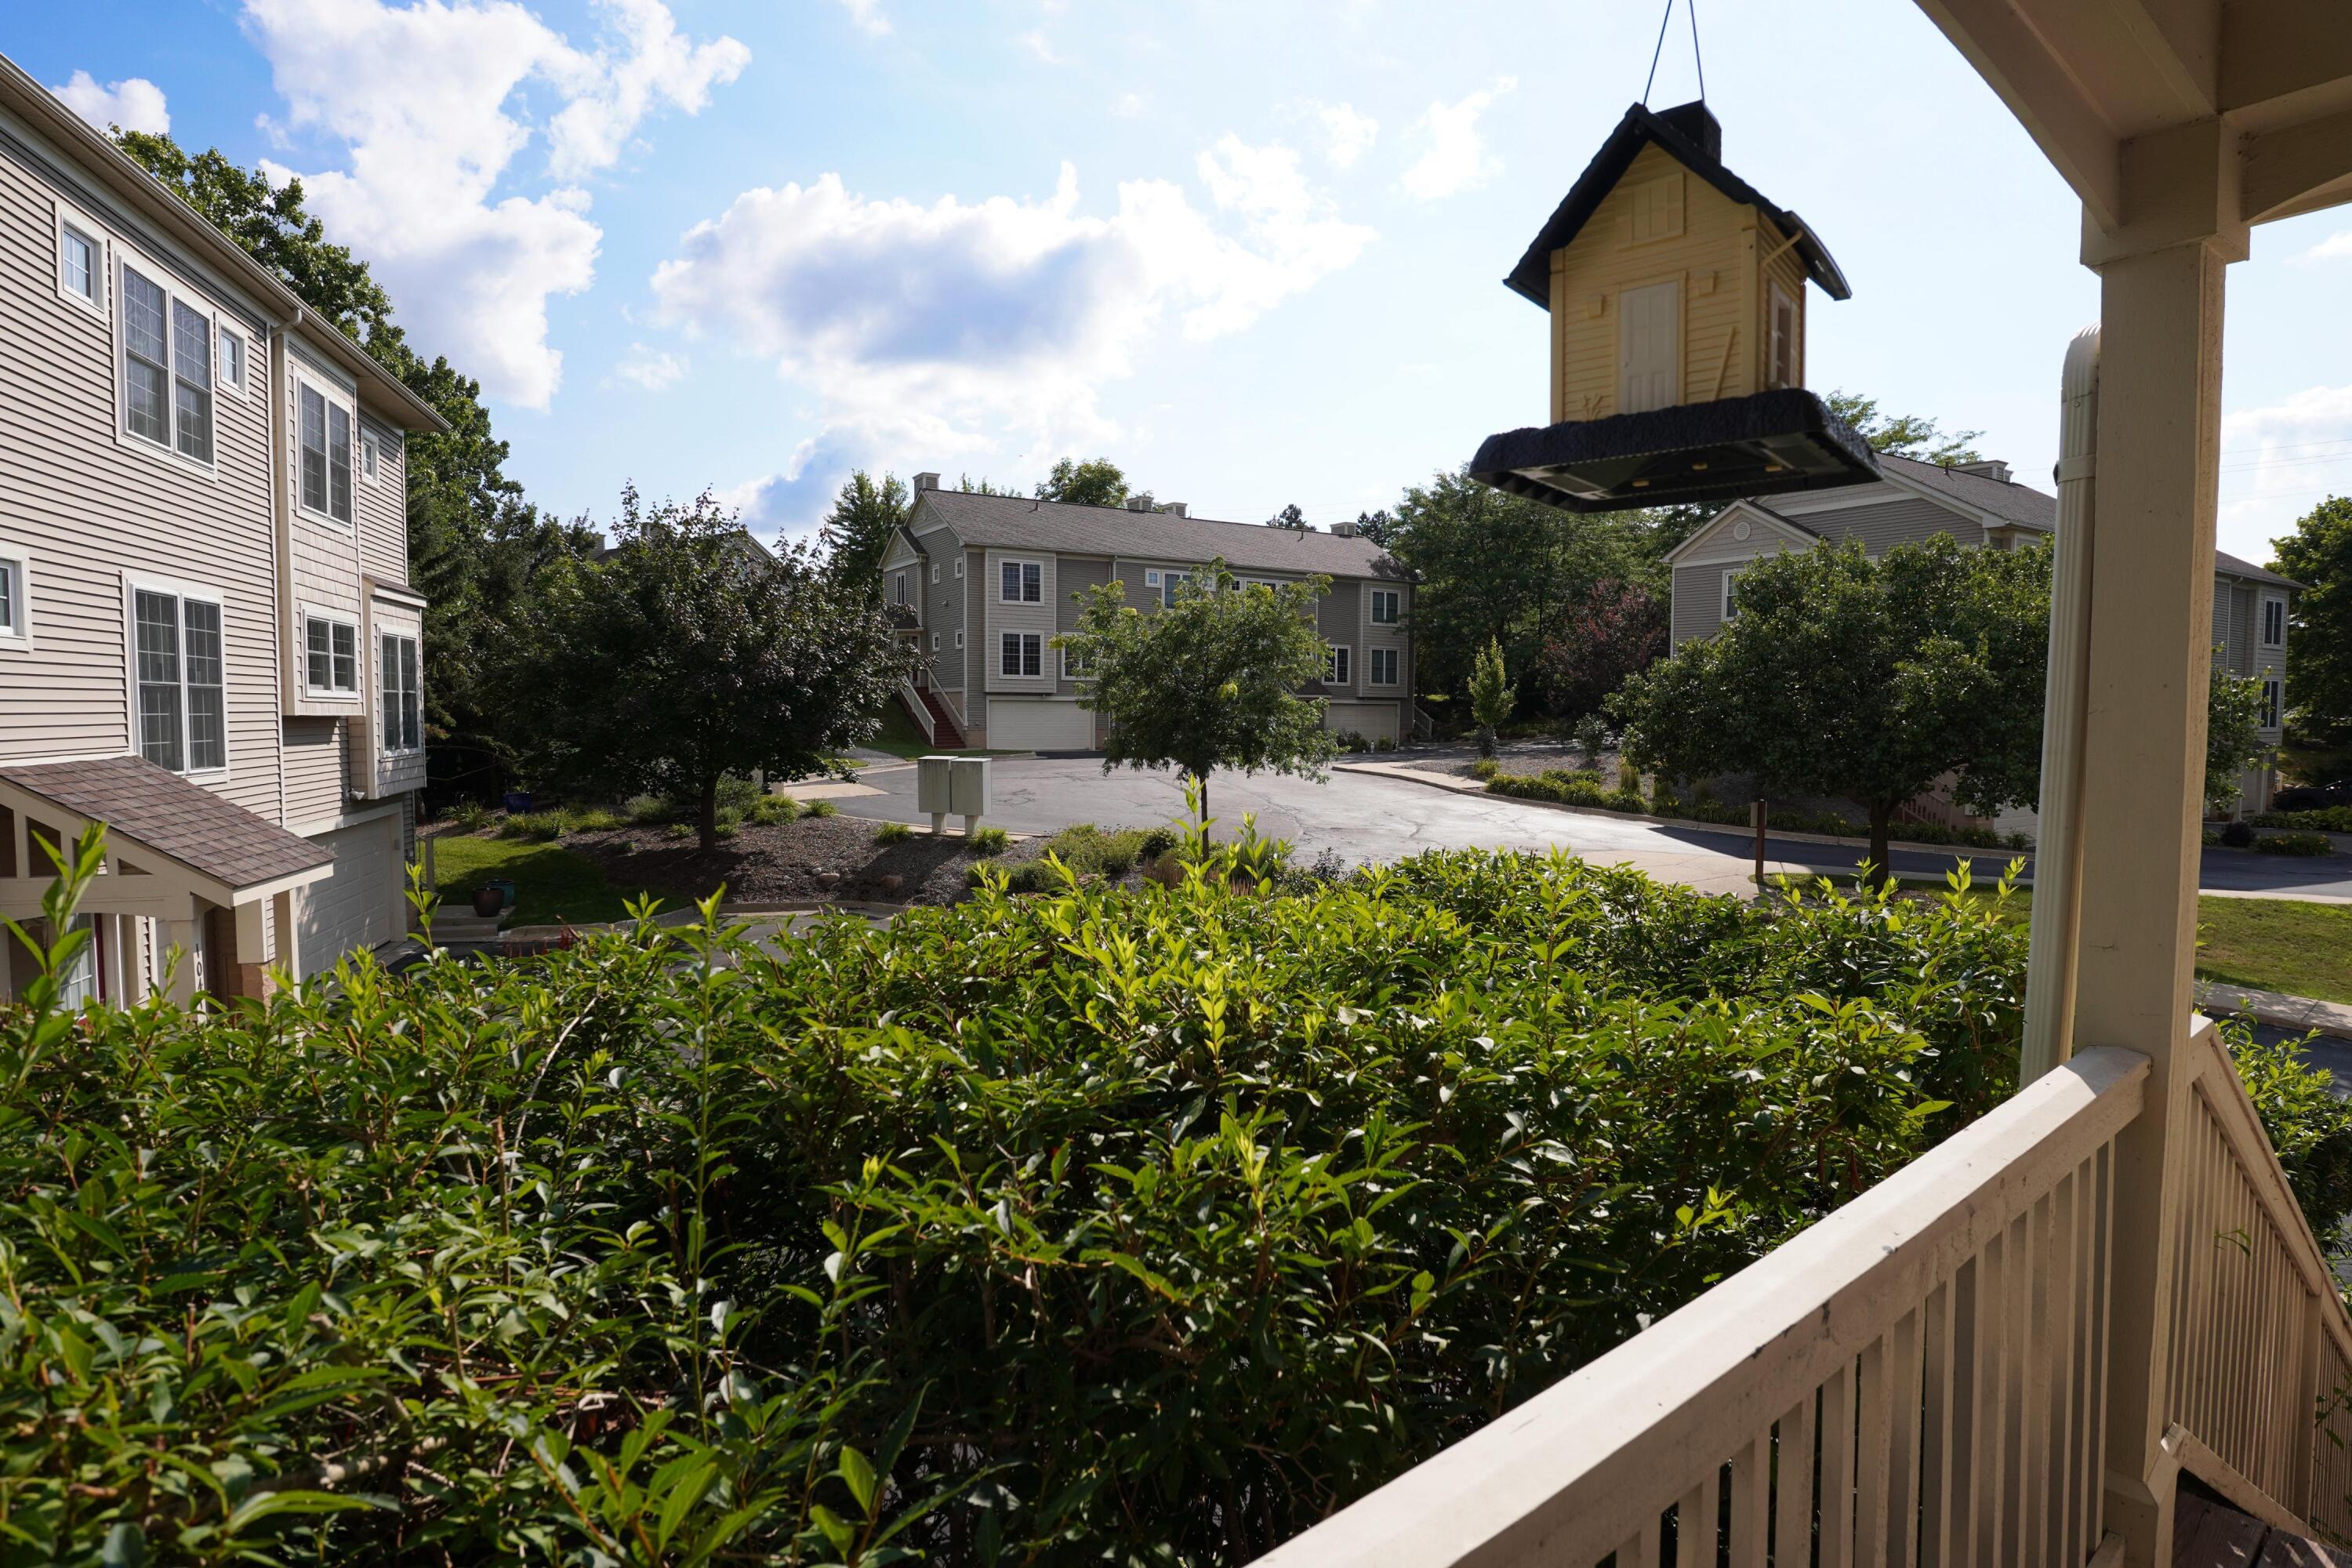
{"x":2299,"y":1013}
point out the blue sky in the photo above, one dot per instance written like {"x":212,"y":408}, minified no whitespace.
{"x":1249,"y":250}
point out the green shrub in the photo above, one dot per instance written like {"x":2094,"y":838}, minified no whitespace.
{"x":1090,"y":849}
{"x":2327,"y":819}
{"x":2239,"y":834}
{"x":1122,"y":1217}
{"x":469,"y":816}
{"x":989,"y":841}
{"x":2294,"y":844}
{"x":535,"y":827}
{"x":774,"y":810}
{"x":648,"y":810}
{"x":1384,"y":743}
{"x":1485,"y":768}
{"x":892,"y":833}
{"x":820,"y":809}
{"x":1157,"y":841}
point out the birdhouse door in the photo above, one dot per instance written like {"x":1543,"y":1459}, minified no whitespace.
{"x":1648,"y":348}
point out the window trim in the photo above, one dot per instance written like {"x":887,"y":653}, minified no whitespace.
{"x":305,"y":615}
{"x":1775,"y":340}
{"x":17,"y":632}
{"x":371,"y":459}
{"x":935,"y":574}
{"x":2262,"y":620}
{"x":1730,"y":607}
{"x":1019,"y":645}
{"x":414,"y":634}
{"x":133,"y":584}
{"x":1395,"y":596}
{"x":1169,"y":581}
{"x":1339,"y":665}
{"x":958,"y":568}
{"x":101,"y":279}
{"x":1068,"y":673}
{"x":125,"y":257}
{"x":332,"y":395}
{"x":1023,"y":563}
{"x":958,"y":642}
{"x":222,"y":332}
{"x":1396,"y":667}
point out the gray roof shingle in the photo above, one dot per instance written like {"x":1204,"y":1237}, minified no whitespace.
{"x":2005,"y":499}
{"x":165,"y":812}
{"x":1015,"y":522}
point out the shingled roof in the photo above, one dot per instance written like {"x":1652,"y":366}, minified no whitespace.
{"x":2004,"y":498}
{"x":1015,"y":522}
{"x":148,"y":807}
{"x":1690,"y":135}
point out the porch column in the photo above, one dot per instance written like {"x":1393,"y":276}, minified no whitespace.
{"x":2143,"y":794}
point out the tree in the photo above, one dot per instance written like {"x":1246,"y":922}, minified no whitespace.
{"x":1614,"y":632}
{"x":1379,"y":527}
{"x":1903,"y":436}
{"x":1871,"y":680}
{"x":688,"y":654}
{"x":1289,"y":516}
{"x":857,"y":532}
{"x":1211,"y":682}
{"x":1491,"y":695}
{"x":1095,"y":482}
{"x":2318,"y":554}
{"x":2233,"y":734}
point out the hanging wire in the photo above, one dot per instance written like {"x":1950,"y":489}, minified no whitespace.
{"x":1668,"y":16}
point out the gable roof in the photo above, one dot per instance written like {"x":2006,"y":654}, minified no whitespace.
{"x":2238,"y":566}
{"x":1016,"y":522}
{"x":2003,"y":498}
{"x":1797,"y":531}
{"x":150,"y":808}
{"x":1690,"y":135}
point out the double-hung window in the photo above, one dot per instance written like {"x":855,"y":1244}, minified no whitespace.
{"x":1020,"y":582}
{"x":1386,"y":603}
{"x":326,"y":439}
{"x":1169,"y":583}
{"x":182,"y":701}
{"x":2273,"y":694}
{"x":16,"y":613}
{"x":1384,"y":666}
{"x":403,"y":697}
{"x":81,"y":265}
{"x":368,"y":458}
{"x":330,"y":656}
{"x":1730,"y":594}
{"x":1023,"y":654}
{"x":167,"y":367}
{"x":1076,"y":666}
{"x":1334,"y":665}
{"x":2273,"y":621}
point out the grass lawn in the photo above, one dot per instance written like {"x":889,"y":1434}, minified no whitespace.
{"x":2263,"y":945}
{"x":552,"y":883}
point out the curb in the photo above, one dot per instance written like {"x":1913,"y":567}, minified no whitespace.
{"x":2277,"y":1009}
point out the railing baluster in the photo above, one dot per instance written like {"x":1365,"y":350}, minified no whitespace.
{"x":1837,"y":1468}
{"x":2034,"y":1407}
{"x":1935,"y":1436}
{"x":1752,"y":1501}
{"x":1870,"y":1455}
{"x":1792,"y":1487}
{"x":1991,"y":1347}
{"x":1643,"y":1549}
{"x":2093,"y":1476}
{"x":1903,"y":1441}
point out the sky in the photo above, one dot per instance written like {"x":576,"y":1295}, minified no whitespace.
{"x":1249,"y":249}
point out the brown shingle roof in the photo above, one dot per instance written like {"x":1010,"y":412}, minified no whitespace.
{"x":162,"y":812}
{"x":1016,"y":522}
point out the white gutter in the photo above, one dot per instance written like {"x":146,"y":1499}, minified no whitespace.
{"x":2058,"y":858}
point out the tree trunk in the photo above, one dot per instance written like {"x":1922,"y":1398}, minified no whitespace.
{"x":1203,"y":780}
{"x":1882,"y":817}
{"x":706,"y":820}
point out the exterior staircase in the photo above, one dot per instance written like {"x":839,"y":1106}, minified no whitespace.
{"x":946,"y":734}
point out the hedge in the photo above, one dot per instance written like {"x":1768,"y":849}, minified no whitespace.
{"x":1583,"y":787}
{"x":1098,"y":1225}
{"x":2327,"y":819}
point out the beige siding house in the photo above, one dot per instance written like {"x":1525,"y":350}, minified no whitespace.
{"x":1978,"y":503}
{"x":208,"y":638}
{"x":982,"y":585}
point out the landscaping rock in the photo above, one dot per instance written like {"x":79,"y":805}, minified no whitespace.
{"x":780,"y":863}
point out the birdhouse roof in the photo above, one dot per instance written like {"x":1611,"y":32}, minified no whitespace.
{"x":1691,"y":136}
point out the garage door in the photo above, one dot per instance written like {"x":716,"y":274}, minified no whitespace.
{"x":1039,"y":724}
{"x":1372,"y":720}
{"x":352,"y":908}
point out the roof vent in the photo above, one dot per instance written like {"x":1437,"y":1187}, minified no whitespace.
{"x":1174,"y":507}
{"x":1693,"y":123}
{"x":1139,"y":501}
{"x":926,"y":482}
{"x":1344,"y":530}
{"x":1991,"y":468}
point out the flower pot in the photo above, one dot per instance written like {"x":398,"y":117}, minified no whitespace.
{"x":488,"y":900}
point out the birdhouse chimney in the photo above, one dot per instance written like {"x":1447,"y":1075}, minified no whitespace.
{"x":1141,"y":502}
{"x":1694,"y":124}
{"x":1174,"y":508}
{"x":926,"y":482}
{"x":1343,"y":530}
{"x":1991,"y":468}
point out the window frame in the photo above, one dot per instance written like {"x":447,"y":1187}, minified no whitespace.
{"x":1387,"y":655}
{"x":959,"y":640}
{"x":180,"y":592}
{"x":407,"y":693}
{"x":2274,"y":702}
{"x":123,"y":259}
{"x":1340,"y":664}
{"x":17,"y":567}
{"x":2262,"y":620}
{"x":335,"y":399}
{"x":1070,"y":671}
{"x":370,"y":458}
{"x":935,"y":574}
{"x":1169,"y":583}
{"x":1023,"y":565}
{"x":224,"y":333}
{"x":331,"y":618}
{"x":1021,"y":646}
{"x":1395,"y":596}
{"x":1777,"y":340}
{"x":97,"y":301}
{"x":1730,"y":605}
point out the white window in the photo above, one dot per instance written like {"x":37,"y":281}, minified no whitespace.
{"x":935,"y":574}
{"x":81,"y":264}
{"x":325,"y":433}
{"x":402,"y":694}
{"x":1386,"y":603}
{"x":1730,"y":594}
{"x":367,"y":457}
{"x":1075,"y":669}
{"x":15,"y":611}
{"x":2273,"y":621}
{"x":2272,"y":695}
{"x":330,"y":656}
{"x":958,"y":568}
{"x":1334,"y":665}
{"x":1021,"y":582}
{"x":1384,"y":666}
{"x":232,"y":360}
{"x":898,"y":587}
{"x":1169,"y":583}
{"x":1784,"y":338}
{"x":959,"y":640}
{"x":182,"y":700}
{"x":1150,"y":578}
{"x":1022,"y":653}
{"x":167,"y":367}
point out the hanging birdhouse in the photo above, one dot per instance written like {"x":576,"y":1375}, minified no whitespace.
{"x":1676,"y":296}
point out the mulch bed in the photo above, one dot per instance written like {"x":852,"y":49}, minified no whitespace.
{"x":784,"y":863}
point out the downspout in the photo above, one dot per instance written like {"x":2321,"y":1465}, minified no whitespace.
{"x":2055,"y":937}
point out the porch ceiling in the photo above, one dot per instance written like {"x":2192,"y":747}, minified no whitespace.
{"x":2106,"y":85}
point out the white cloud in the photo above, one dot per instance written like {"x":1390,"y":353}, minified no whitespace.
{"x":429,"y":99}
{"x":1454,"y":156}
{"x":2334,"y":248}
{"x":867,"y":14}
{"x":134,"y":103}
{"x":1348,"y":135}
{"x":655,"y":370}
{"x":928,"y":330}
{"x":1128,"y":105}
{"x":1037,"y":44}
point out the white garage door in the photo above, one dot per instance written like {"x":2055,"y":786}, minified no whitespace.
{"x":352,"y":908}
{"x":1372,"y":720}
{"x":1038,"y":724}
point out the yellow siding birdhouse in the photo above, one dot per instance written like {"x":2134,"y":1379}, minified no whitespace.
{"x":1675,"y":295}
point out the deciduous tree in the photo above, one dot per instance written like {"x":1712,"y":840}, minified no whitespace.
{"x":1903,"y":435}
{"x":1211,"y":681}
{"x":1615,"y":631}
{"x":1095,"y":481}
{"x":2233,"y":739}
{"x":2318,"y":554}
{"x":1491,"y":695}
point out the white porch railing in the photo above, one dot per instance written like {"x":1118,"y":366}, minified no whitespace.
{"x":918,"y":711}
{"x":1923,"y":1376}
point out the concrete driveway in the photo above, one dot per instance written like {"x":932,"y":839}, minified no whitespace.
{"x":1367,"y":819}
